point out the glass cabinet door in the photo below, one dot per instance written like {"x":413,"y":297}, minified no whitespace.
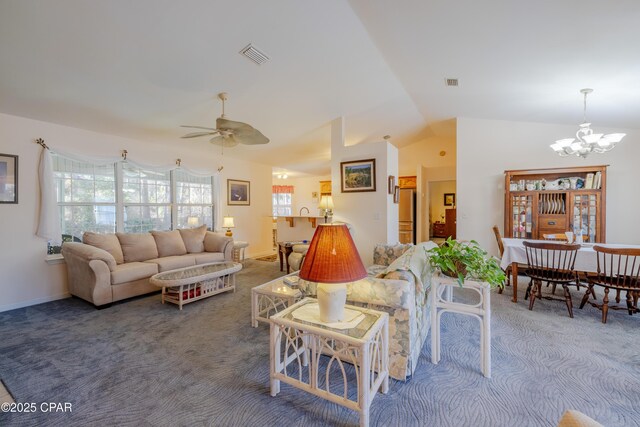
{"x":522,"y":226}
{"x":584,"y":217}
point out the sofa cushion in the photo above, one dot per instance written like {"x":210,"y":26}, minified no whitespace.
{"x":169,"y":243}
{"x":207,"y":257}
{"x":107,"y":242}
{"x":216,"y":242}
{"x":193,"y":238}
{"x":173,"y":262}
{"x":131,"y":271}
{"x":137,"y":246}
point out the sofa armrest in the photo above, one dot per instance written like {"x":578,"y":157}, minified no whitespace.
{"x":88,"y":253}
{"x":88,"y":272}
{"x":217,"y":242}
{"x":392,"y":293}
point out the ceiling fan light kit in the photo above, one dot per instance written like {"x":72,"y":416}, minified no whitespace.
{"x":587,"y":142}
{"x":228,"y":133}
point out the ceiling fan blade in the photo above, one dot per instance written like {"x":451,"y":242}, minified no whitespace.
{"x":243,"y":133}
{"x":197,"y":134}
{"x":197,"y":127}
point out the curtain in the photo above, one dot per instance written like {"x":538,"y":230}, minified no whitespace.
{"x":49,"y":215}
{"x":282,"y":189}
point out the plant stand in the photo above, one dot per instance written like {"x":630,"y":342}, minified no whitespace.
{"x":442,"y":301}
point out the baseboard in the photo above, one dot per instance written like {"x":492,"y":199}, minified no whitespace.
{"x":263,"y":253}
{"x":36,"y":301}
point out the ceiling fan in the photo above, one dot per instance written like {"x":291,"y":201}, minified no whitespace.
{"x":229,"y":133}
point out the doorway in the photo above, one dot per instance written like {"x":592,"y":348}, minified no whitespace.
{"x":442,"y":210}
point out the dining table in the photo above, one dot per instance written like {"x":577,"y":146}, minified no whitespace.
{"x":515,"y":256}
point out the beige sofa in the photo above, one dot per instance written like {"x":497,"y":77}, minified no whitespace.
{"x":111,"y":267}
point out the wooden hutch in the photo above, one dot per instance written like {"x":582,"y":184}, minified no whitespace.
{"x":547,"y":201}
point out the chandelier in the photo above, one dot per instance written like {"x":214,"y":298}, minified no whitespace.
{"x":587,"y":142}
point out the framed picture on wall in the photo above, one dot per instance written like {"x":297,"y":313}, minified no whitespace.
{"x":449,"y":199}
{"x":8,"y":178}
{"x":391,"y":184}
{"x":358,"y":176}
{"x":396,"y":194}
{"x":238,"y":192}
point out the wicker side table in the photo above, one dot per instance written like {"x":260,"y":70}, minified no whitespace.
{"x":271,"y":298}
{"x":238,"y":250}
{"x":313,"y":357}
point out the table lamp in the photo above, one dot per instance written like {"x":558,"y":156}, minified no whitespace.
{"x":193,"y":221}
{"x":227,"y":222}
{"x":332,"y":261}
{"x":326,"y":204}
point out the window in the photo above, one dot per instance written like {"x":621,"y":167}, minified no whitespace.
{"x":123,"y":197}
{"x":146,"y":197}
{"x":86,"y":197}
{"x":194,"y":198}
{"x":281,"y":195}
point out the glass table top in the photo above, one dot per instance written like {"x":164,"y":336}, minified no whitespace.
{"x":358,"y":332}
{"x":198,"y":270}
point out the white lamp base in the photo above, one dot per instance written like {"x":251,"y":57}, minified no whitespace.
{"x":331,"y":299}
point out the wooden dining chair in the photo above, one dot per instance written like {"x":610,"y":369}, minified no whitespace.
{"x":618,"y":269}
{"x":552,"y":263}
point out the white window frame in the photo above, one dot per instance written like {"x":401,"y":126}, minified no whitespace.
{"x":276,"y":206}
{"x":120,"y":205}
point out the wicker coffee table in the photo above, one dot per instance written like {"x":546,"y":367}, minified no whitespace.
{"x":190,"y":284}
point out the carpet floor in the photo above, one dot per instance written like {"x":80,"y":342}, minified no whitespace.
{"x":141,"y":363}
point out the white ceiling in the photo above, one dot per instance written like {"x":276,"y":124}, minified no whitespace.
{"x":140,"y":69}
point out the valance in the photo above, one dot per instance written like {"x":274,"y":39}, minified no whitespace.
{"x":282,"y":189}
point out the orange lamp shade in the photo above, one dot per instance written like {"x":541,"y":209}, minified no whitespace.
{"x":332,"y":256}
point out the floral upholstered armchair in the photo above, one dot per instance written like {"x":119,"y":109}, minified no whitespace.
{"x":392,"y":287}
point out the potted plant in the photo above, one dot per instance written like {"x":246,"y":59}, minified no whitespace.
{"x":466,"y":260}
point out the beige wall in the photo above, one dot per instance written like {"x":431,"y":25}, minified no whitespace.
{"x":427,"y":153}
{"x":437,"y":190}
{"x":486,"y":148}
{"x":25,"y":277}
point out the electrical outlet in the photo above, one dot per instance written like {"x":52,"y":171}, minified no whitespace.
{"x":376,"y":216}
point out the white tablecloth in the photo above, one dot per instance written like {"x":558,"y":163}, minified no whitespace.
{"x":586,"y":259}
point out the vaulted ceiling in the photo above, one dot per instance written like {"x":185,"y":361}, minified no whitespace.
{"x":141,"y":69}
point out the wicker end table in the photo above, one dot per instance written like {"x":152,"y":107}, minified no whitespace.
{"x":314,"y":357}
{"x":271,"y":298}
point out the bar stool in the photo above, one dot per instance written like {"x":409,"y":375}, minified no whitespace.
{"x":442,"y":301}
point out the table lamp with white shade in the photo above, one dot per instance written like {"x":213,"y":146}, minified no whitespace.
{"x":332,"y":261}
{"x":227,"y":222}
{"x":193,"y":221}
{"x":326,"y":204}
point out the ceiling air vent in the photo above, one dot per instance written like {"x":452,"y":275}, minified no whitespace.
{"x":451,"y":82}
{"x":251,"y":52}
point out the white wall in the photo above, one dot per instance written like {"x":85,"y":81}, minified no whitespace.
{"x":486,"y":148}
{"x":25,"y":277}
{"x":372,"y":215}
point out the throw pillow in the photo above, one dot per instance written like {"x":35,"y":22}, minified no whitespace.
{"x":107,"y":242}
{"x":137,"y":246}
{"x":193,"y":238}
{"x":169,"y":243}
